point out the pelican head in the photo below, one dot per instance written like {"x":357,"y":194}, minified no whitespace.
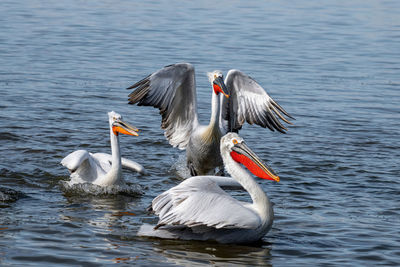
{"x":217,"y":81}
{"x":234,"y":145}
{"x":119,"y":126}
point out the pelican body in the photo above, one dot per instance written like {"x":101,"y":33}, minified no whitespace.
{"x":234,"y":101}
{"x":199,"y":209}
{"x":100,"y":168}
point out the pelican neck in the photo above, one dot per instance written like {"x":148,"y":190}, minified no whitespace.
{"x":215,"y":110}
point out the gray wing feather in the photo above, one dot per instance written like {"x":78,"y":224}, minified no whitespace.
{"x":199,"y":201}
{"x":249,"y":102}
{"x":173,"y":91}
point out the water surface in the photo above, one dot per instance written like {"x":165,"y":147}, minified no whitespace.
{"x":332,"y":65}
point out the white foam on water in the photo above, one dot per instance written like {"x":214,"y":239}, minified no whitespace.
{"x":9,"y":195}
{"x":96,"y":190}
{"x":180,"y":168}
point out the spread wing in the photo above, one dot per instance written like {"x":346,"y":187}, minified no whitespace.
{"x":172,"y":90}
{"x":84,"y":167}
{"x":199,"y":201}
{"x":249,"y":102}
{"x":75,"y":159}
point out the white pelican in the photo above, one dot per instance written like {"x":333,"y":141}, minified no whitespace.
{"x":198,"y":209}
{"x":100,"y":168}
{"x":172,"y":89}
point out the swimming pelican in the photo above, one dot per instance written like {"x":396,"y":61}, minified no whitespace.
{"x":101,"y":168}
{"x":172,"y":89}
{"x":198,"y":209}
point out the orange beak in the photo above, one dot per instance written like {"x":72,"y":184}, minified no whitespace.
{"x":243,"y":154}
{"x":124,"y":128}
{"x":219,"y":87}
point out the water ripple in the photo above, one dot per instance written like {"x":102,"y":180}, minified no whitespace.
{"x":333,"y":65}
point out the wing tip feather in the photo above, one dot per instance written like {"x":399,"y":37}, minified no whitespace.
{"x":144,"y":80}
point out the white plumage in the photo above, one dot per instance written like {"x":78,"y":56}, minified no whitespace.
{"x":101,"y":168}
{"x":199,"y":209}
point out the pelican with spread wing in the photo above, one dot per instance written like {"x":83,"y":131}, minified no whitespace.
{"x":236,"y":100}
{"x":198,"y":208}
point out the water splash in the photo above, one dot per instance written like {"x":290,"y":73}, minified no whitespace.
{"x":96,"y":190}
{"x":9,"y":195}
{"x":180,"y":168}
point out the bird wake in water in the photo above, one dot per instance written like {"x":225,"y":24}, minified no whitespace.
{"x":96,"y":190}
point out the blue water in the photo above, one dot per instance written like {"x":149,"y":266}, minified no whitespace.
{"x":334,"y":65}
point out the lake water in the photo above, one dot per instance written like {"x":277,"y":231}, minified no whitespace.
{"x":334,"y":65}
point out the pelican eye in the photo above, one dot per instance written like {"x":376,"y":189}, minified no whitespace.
{"x":235,"y":141}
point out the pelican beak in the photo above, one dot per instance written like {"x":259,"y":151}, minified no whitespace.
{"x":243,"y":154}
{"x":122,"y":127}
{"x":219,"y":86}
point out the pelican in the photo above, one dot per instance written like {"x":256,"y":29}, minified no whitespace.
{"x":100,"y":168}
{"x":238,"y":99}
{"x":198,"y":208}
